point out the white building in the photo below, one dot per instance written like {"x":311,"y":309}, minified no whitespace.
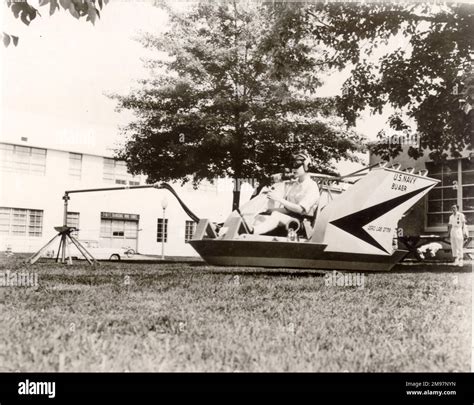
{"x":33,"y":180}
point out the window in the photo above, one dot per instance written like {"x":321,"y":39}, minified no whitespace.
{"x":119,"y":226}
{"x":190,"y":228}
{"x":467,"y":182}
{"x":130,"y":229}
{"x":35,"y":222}
{"x":22,"y":159}
{"x":21,"y":222}
{"x":162,"y":231}
{"x":109,"y":170}
{"x":456,"y":187}
{"x":115,"y":171}
{"x":5,"y":221}
{"x":75,"y":165}
{"x":72,"y":220}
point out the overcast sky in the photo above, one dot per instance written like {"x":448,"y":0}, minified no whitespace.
{"x":53,"y":82}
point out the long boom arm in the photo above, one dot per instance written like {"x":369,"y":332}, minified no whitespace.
{"x":165,"y":186}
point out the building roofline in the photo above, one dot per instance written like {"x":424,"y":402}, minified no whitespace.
{"x":56,"y":149}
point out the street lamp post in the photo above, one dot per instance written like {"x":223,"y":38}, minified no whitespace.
{"x":164,"y":204}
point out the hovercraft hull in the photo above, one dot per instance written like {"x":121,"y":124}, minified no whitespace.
{"x":302,"y":255}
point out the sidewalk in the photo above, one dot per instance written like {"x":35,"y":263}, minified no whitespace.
{"x":167,"y":259}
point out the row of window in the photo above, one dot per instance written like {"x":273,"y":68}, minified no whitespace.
{"x":456,"y":187}
{"x":21,"y":222}
{"x":162,"y":230}
{"x":22,"y":159}
{"x":27,"y":222}
{"x":28,"y":160}
{"x":115,"y":171}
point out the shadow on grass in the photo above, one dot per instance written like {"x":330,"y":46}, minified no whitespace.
{"x":430,"y":267}
{"x":264,"y":272}
{"x":411,"y":268}
{"x":196,"y":263}
{"x":401,"y":268}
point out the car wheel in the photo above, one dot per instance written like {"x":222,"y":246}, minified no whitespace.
{"x":130,"y":253}
{"x":114,"y":257}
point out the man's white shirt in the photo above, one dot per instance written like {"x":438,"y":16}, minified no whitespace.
{"x":305,"y":194}
{"x":457,"y":220}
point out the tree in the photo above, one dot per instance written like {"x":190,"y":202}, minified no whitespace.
{"x":90,"y":9}
{"x":467,"y":100}
{"x":228,"y":97}
{"x":418,"y":80}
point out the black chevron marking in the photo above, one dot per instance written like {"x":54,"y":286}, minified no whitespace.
{"x":353,"y":223}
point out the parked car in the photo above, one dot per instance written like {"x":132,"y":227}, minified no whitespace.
{"x":101,"y":253}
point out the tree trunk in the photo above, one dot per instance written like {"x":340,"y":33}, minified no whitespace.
{"x":236,"y":199}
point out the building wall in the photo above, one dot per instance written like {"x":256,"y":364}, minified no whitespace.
{"x":44,"y":192}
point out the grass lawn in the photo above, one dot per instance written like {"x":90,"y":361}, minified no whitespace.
{"x":192,"y":317}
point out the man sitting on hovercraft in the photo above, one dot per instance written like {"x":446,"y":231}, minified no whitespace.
{"x":299,"y":199}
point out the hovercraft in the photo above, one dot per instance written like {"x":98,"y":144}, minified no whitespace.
{"x":354,"y":227}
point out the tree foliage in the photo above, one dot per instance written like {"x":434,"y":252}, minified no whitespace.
{"x":429,"y":49}
{"x":230,"y":96}
{"x":22,"y":10}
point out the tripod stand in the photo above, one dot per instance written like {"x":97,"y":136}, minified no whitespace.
{"x":64,"y":233}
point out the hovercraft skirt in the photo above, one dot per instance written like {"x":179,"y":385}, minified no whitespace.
{"x":303,"y":255}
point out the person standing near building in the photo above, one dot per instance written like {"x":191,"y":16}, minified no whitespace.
{"x":457,"y":230}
